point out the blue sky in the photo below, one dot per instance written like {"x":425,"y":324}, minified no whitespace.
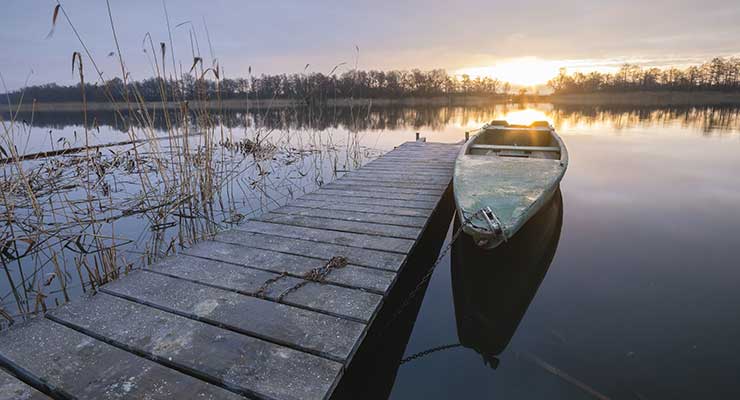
{"x":283,"y":36}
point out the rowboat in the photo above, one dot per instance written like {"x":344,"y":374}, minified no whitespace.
{"x":503,"y":176}
{"x":492,"y":289}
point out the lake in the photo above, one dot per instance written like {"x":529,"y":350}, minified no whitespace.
{"x":628,"y":286}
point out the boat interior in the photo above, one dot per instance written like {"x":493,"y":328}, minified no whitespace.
{"x":523,"y":141}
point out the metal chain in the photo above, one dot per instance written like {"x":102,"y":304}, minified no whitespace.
{"x":428,"y":352}
{"x":426,"y":277}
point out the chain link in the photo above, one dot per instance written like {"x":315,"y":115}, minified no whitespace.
{"x":428,"y":352}
{"x":426,"y":277}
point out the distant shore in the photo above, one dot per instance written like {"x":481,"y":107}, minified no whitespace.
{"x":590,"y":99}
{"x":647,"y":98}
{"x":239,"y":104}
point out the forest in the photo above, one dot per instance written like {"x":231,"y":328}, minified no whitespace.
{"x":311,"y":87}
{"x":719,"y":74}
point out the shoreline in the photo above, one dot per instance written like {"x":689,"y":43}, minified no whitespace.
{"x":677,"y":98}
{"x":585,"y":99}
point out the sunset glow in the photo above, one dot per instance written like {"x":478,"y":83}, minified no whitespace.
{"x":532,"y":71}
{"x":528,"y":71}
{"x":525,"y":117}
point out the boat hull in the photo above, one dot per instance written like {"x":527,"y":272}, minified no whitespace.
{"x":498,"y":187}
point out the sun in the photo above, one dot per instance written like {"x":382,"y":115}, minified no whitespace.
{"x":525,"y":117}
{"x":526,"y":71}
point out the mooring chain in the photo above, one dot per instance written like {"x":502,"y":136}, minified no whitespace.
{"x":428,"y":352}
{"x":263,"y":289}
{"x":429,"y":274}
{"x":426,"y":277}
{"x":317,"y":274}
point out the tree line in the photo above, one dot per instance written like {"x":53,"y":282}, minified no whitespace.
{"x":719,"y":74}
{"x":311,"y":87}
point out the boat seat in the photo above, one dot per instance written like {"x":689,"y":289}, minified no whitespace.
{"x":496,"y":147}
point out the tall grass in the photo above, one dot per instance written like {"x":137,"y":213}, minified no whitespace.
{"x":62,"y":214}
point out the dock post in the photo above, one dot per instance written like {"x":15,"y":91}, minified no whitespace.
{"x":467,"y":136}
{"x":417,"y":136}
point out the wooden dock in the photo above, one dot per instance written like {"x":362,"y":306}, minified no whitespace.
{"x":275,"y":309}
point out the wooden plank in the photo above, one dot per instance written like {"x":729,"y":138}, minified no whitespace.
{"x":85,"y":368}
{"x":12,"y":388}
{"x":372,"y":194}
{"x":335,"y":300}
{"x":370,"y":228}
{"x":304,"y":330}
{"x":429,"y":148}
{"x":365,"y":257}
{"x":439,"y":165}
{"x":387,"y":210}
{"x":242,"y":363}
{"x":383,"y":189}
{"x":411,"y":173}
{"x":413,"y":157}
{"x":426,"y":165}
{"x":423,"y":205}
{"x":417,"y":222}
{"x":391,"y":175}
{"x":297,"y":265}
{"x":391,"y":183}
{"x":402,"y":246}
{"x":447,"y":162}
{"x":409,"y":170}
{"x":424,"y":150}
{"x":443,"y":170}
{"x":441,"y":153}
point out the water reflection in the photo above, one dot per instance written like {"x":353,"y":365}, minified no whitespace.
{"x":708,"y":119}
{"x":493,"y":289}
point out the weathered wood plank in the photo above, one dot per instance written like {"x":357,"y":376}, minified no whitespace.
{"x":86,"y":368}
{"x":12,"y":388}
{"x":431,"y":156}
{"x":384,"y":195}
{"x":336,"y":300}
{"x":354,"y":255}
{"x":383,"y":189}
{"x":417,"y":163}
{"x":279,"y":262}
{"x":312,"y":332}
{"x":416,"y":154}
{"x":383,"y":163}
{"x":245,"y":364}
{"x":380,"y":209}
{"x":370,"y":228}
{"x":442,"y":173}
{"x":417,"y":222}
{"x":391,"y":183}
{"x":424,"y":205}
{"x":364,"y":241}
{"x":445,"y":167}
{"x":398,"y":175}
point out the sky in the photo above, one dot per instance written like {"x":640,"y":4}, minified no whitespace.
{"x":526,"y":40}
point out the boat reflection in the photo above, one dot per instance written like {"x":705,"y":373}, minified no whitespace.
{"x":493,"y":289}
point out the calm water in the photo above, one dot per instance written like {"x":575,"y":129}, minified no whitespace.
{"x":641,"y":298}
{"x":625,"y":288}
